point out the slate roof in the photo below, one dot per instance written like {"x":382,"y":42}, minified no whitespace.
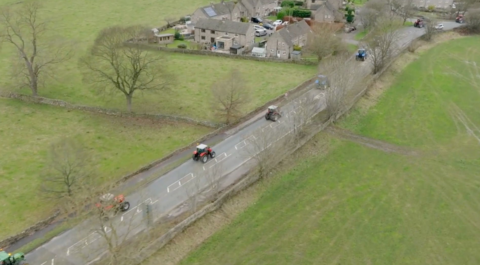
{"x":292,"y":31}
{"x":219,"y":9}
{"x":223,"y":25}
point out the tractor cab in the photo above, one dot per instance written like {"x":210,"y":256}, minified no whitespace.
{"x":8,"y":259}
{"x":361,"y":55}
{"x":273,"y":113}
{"x":322,"y":82}
{"x":201,"y":148}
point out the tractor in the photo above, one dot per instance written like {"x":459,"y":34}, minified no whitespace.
{"x":110,"y":205}
{"x":8,"y":259}
{"x":459,"y":19}
{"x":203,"y":152}
{"x":322,"y":82}
{"x":419,"y":23}
{"x":273,"y":113}
{"x":361,"y":55}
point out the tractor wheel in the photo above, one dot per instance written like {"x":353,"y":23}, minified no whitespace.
{"x":212,"y":154}
{"x":205,"y":159}
{"x":125,"y":206}
{"x":266,"y":117}
{"x":275,"y":118}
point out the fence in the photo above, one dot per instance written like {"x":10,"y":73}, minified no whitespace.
{"x":218,"y":54}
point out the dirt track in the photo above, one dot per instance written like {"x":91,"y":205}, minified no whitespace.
{"x":369,"y":142}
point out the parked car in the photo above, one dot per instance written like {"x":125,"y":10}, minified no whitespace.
{"x":277,"y":23}
{"x":268,"y":26}
{"x":260,"y":33}
{"x":439,"y":26}
{"x":257,"y":27}
{"x":256,"y":20}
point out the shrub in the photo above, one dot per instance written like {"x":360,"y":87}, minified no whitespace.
{"x":244,"y":19}
{"x":431,"y":8}
{"x":297,"y":48}
{"x":298,"y":3}
{"x":178,"y":36}
{"x":288,"y":4}
{"x":302,"y":13}
{"x":281,"y":15}
{"x":182,"y":46}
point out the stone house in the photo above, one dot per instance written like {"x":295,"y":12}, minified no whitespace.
{"x":281,"y":43}
{"x":224,"y":33}
{"x":156,"y":37}
{"x":325,"y":11}
{"x":321,"y":13}
{"x":253,"y":8}
{"x":219,"y":11}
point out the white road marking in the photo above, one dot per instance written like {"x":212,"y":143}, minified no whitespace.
{"x":240,"y":145}
{"x":221,"y":157}
{"x":52,"y":262}
{"x":251,"y":138}
{"x":186,"y":179}
{"x":276,"y":124}
{"x":173,"y":186}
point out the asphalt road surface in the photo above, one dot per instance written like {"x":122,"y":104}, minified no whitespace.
{"x":84,"y":244}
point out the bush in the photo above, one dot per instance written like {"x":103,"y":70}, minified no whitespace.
{"x":298,"y":3}
{"x":288,"y":4}
{"x":297,"y":48}
{"x":281,"y":15}
{"x":431,"y":8}
{"x":182,"y":46}
{"x":178,"y":36}
{"x":244,"y":19}
{"x":302,"y":13}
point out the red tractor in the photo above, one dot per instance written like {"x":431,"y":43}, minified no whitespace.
{"x":203,"y":152}
{"x":419,"y":23}
{"x":110,"y":204}
{"x":460,"y":19}
{"x":273,"y":113}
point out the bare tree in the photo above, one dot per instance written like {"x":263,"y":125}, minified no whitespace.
{"x":230,"y":94}
{"x":344,"y":77}
{"x":382,"y":42}
{"x":405,"y":9}
{"x":472,"y":19}
{"x":323,"y":41}
{"x":377,"y":5}
{"x":368,"y":17}
{"x":306,"y":108}
{"x":264,"y":146}
{"x":430,"y":30}
{"x":118,"y":66}
{"x":25,"y":30}
{"x":69,"y":170}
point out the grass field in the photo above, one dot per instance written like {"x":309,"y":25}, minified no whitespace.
{"x":190,"y":93}
{"x":119,"y":146}
{"x":358,"y":205}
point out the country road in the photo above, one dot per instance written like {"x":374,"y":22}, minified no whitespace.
{"x":82,"y":244}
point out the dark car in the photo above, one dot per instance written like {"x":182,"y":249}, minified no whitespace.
{"x":256,"y":20}
{"x":268,"y":26}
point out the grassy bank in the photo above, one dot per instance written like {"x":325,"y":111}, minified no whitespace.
{"x":359,"y":205}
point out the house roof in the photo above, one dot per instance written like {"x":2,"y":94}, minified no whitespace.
{"x":292,"y":31}
{"x":218,"y":9}
{"x":250,"y":4}
{"x":223,"y":25}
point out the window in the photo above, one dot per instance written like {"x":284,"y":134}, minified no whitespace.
{"x":283,"y":44}
{"x":203,"y":30}
{"x":212,"y":31}
{"x":284,"y":53}
{"x":203,"y":37}
{"x":271,"y":50}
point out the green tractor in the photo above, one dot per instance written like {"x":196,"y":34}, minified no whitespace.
{"x":8,"y":259}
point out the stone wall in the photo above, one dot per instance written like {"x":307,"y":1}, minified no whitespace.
{"x":154,"y":47}
{"x":112,"y":112}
